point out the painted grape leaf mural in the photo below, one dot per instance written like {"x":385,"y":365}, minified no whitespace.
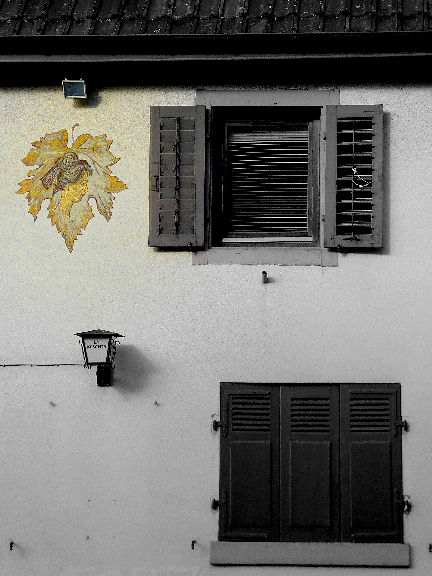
{"x":68,"y":178}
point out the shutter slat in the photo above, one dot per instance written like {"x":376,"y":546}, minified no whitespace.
{"x":177,"y":148}
{"x":353,"y":166}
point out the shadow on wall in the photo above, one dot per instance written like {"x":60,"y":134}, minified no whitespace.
{"x":131,"y":370}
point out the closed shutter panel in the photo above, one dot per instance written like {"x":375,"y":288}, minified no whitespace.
{"x":177,"y":151}
{"x":249,"y":462}
{"x":310,"y":463}
{"x":371,"y":464}
{"x":354,"y":164}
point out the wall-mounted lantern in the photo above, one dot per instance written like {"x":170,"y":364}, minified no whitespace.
{"x":74,"y":89}
{"x":99,"y":348}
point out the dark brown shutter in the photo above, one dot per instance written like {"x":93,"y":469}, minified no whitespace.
{"x":309,"y":463}
{"x":177,"y":151}
{"x":354,"y":164}
{"x":371,"y":463}
{"x":249,"y":473}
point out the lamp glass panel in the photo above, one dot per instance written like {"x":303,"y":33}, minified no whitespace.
{"x":97,"y":349}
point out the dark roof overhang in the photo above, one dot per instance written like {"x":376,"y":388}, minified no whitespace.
{"x":198,"y":59}
{"x":197,"y":47}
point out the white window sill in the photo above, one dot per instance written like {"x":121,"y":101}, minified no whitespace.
{"x":309,"y":554}
{"x":289,"y":256}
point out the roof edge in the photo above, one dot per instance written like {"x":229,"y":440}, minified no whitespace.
{"x":213,"y":47}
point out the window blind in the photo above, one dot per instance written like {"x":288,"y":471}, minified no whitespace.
{"x":268,"y":183}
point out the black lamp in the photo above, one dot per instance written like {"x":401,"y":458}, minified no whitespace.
{"x":99,"y":348}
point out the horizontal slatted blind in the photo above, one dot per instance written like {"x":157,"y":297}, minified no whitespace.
{"x":268,"y":183}
{"x":310,"y":415}
{"x":251,"y":412}
{"x":369,"y":413}
{"x":353,"y":210}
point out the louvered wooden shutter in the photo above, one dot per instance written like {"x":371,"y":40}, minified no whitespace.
{"x":354,"y":164}
{"x":249,"y":473}
{"x":177,"y":151}
{"x":310,"y":463}
{"x":371,"y":463}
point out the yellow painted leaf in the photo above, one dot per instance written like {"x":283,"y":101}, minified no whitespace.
{"x":68,"y":178}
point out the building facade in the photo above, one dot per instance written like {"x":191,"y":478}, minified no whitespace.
{"x":116,"y":216}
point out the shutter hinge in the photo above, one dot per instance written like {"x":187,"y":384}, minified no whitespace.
{"x":215,"y":503}
{"x":216,"y":424}
{"x":405,"y":504}
{"x":401,"y":424}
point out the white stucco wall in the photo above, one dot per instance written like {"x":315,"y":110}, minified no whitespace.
{"x":118,"y":481}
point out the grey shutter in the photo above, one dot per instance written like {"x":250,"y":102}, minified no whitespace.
{"x":249,"y":471}
{"x":177,"y":152}
{"x":354,"y":164}
{"x":310,"y":463}
{"x":371,"y":463}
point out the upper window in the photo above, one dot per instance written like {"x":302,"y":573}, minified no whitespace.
{"x":311,"y":463}
{"x":249,"y":176}
{"x":264,"y":178}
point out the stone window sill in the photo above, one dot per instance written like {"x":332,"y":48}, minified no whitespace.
{"x":289,"y":256}
{"x":309,"y":554}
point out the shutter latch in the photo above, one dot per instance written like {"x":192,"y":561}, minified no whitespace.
{"x":215,"y":503}
{"x":401,"y":424}
{"x":216,"y":424}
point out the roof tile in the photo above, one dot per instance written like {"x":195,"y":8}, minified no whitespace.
{"x":135,"y":9}
{"x":208,"y":8}
{"x":110,"y":9}
{"x":57,"y":27}
{"x":81,"y":27}
{"x":36,"y":9}
{"x":106,"y":27}
{"x":285,"y":25}
{"x":10,"y":9}
{"x":60,"y":9}
{"x":128,"y":27}
{"x":85,"y":9}
{"x":157,"y":9}
{"x":207,"y":26}
{"x":283,"y":8}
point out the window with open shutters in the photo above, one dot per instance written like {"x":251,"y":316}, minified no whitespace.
{"x":261,"y":166}
{"x":311,"y":463}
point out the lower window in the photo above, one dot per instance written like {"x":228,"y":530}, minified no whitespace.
{"x":311,"y":463}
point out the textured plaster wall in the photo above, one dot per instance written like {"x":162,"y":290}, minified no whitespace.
{"x":118,"y":481}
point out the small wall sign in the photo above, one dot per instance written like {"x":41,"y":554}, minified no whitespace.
{"x":68,"y":177}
